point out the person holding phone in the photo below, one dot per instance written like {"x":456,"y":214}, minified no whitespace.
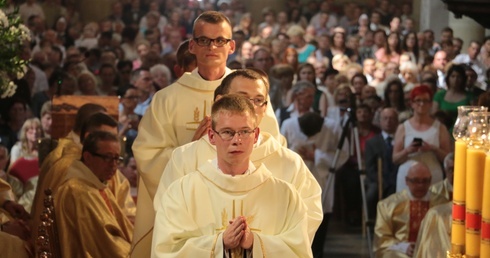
{"x":420,"y":139}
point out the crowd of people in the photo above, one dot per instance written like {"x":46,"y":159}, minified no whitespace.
{"x":313,"y":72}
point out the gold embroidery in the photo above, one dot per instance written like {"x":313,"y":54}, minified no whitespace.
{"x":197,"y":118}
{"x":236,"y":252}
{"x":196,"y":114}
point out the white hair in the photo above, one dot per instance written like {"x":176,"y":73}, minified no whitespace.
{"x":161,"y":68}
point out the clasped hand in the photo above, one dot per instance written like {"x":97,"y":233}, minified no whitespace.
{"x":238,"y":234}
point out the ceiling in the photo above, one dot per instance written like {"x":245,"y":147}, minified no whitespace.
{"x":479,"y":10}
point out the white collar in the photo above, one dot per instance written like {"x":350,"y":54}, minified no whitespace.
{"x":385,"y":135}
{"x":250,"y":170}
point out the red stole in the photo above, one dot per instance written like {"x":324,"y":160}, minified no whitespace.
{"x":418,"y":209}
{"x":106,"y":200}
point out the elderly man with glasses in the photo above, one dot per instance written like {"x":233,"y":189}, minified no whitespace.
{"x":399,"y":216}
{"x":89,"y":218}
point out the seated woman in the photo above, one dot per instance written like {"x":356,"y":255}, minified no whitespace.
{"x":26,"y":147}
{"x":394,"y":97}
{"x":24,"y":160}
{"x":87,"y":84}
{"x":455,"y":95}
{"x":46,"y":119}
{"x":392,"y":51}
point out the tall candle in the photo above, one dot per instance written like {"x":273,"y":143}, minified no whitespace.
{"x":485,"y":224}
{"x":475,"y":167}
{"x":459,"y":193}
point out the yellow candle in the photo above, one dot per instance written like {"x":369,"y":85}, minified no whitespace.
{"x":459,"y":187}
{"x":475,"y":167}
{"x":485,"y":225}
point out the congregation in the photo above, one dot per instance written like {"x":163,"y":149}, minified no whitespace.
{"x":226,"y":121}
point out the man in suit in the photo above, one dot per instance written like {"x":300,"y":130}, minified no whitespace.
{"x":381,"y":146}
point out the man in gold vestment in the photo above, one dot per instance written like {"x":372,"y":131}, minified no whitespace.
{"x":53,"y":178}
{"x":434,"y":238}
{"x":228,"y":207}
{"x":90,"y":221}
{"x":399,"y":215}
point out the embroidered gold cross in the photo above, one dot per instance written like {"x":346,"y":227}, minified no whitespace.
{"x":236,"y":252}
{"x":225,"y":220}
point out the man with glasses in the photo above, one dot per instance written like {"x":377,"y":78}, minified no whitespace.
{"x":283,"y":163}
{"x":90,"y":220}
{"x":399,"y":216}
{"x":234,"y":209}
{"x":179,"y":114}
{"x":435,"y":232}
{"x":55,"y":174}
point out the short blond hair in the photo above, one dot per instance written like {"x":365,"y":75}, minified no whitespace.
{"x":295,"y":30}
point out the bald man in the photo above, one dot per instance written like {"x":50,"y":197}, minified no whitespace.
{"x":399,"y":216}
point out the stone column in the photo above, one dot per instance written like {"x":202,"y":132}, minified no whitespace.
{"x":433,"y":15}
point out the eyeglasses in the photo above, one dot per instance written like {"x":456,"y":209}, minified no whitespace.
{"x":108,"y":158}
{"x":258,"y":102}
{"x":421,"y":101}
{"x":205,"y":41}
{"x":420,"y":181}
{"x":227,"y":135}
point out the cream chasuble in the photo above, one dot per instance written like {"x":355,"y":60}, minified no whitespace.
{"x":282,"y":162}
{"x":89,"y":219}
{"x":196,"y":209}
{"x":434,"y":238}
{"x":171,"y":121}
{"x":394,"y":220}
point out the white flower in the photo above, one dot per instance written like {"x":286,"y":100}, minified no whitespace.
{"x":20,"y":75}
{"x":11,"y":89}
{"x":13,"y":34}
{"x":25,"y":33}
{"x":14,"y":30}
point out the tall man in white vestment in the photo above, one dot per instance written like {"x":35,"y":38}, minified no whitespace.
{"x":283,"y":163}
{"x":179,"y":114}
{"x":229,"y":207}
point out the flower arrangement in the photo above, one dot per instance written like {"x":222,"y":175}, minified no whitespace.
{"x":13,"y":35}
